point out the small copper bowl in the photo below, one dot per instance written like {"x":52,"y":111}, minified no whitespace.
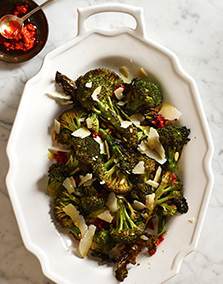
{"x":38,"y":20}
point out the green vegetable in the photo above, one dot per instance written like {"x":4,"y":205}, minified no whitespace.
{"x":129,"y":225}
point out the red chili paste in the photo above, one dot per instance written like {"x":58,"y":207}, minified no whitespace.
{"x":23,"y":40}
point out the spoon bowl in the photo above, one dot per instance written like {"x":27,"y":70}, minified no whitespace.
{"x":10,"y":25}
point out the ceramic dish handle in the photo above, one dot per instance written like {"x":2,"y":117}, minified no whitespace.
{"x":135,"y":12}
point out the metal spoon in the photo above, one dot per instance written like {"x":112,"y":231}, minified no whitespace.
{"x":9,"y":24}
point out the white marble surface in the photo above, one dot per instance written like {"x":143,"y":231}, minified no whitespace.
{"x":190,"y":28}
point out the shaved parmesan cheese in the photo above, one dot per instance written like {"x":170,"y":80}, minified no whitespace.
{"x":119,"y":93}
{"x":150,"y":198}
{"x":85,"y":178}
{"x":125,"y":123}
{"x":121,"y":103}
{"x":124,"y":70}
{"x":169,"y":112}
{"x":81,"y":132}
{"x":101,"y":144}
{"x":152,"y":183}
{"x":76,"y":217}
{"x":54,"y":149}
{"x":158,"y":174}
{"x":88,"y":85}
{"x":70,"y":184}
{"x":192,"y":220}
{"x":57,"y":126}
{"x":96,"y":93}
{"x":85,"y":242}
{"x":139,"y":168}
{"x":106,"y":147}
{"x":137,"y":205}
{"x":141,"y":73}
{"x":152,"y":147}
{"x":89,"y":123}
{"x":58,"y":95}
{"x":137,"y":118}
{"x":106,"y":216}
{"x":112,"y":202}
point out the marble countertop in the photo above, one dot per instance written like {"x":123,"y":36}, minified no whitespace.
{"x":191,"y":29}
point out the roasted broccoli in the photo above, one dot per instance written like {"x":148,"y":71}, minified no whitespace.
{"x":173,"y":138}
{"x":87,"y":150}
{"x":70,"y":121}
{"x":143,"y":95}
{"x":129,"y":225}
{"x":102,"y":242}
{"x":168,"y":195}
{"x":61,"y":200}
{"x":112,"y":177}
{"x":90,"y":199}
{"x":58,"y":172}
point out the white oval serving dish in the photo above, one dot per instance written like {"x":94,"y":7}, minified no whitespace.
{"x":30,"y":139}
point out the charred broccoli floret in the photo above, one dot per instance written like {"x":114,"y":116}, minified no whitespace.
{"x":173,"y":138}
{"x":143,"y":96}
{"x":129,"y":226}
{"x":90,"y":199}
{"x":112,"y":177}
{"x":93,"y":122}
{"x":87,"y":150}
{"x":102,"y":242}
{"x":58,"y":172}
{"x":168,"y":195}
{"x":70,"y":121}
{"x":61,"y":200}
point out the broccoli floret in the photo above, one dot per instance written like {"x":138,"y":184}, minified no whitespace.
{"x":166,"y":209}
{"x":173,"y":138}
{"x":111,"y":175}
{"x":103,"y":79}
{"x":102,"y":242}
{"x":70,"y":121}
{"x":167,"y":195}
{"x":140,"y":190}
{"x":129,"y":226}
{"x":87,"y":150}
{"x":90,"y":199}
{"x":182,"y":206}
{"x":143,"y":96}
{"x":94,"y":122}
{"x":58,"y":172}
{"x":61,"y":200}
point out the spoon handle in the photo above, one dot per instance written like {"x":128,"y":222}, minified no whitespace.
{"x":26,"y":16}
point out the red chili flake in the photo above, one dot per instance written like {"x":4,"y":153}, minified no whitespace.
{"x":101,"y":192}
{"x":119,"y":86}
{"x":108,"y":183}
{"x":60,"y":157}
{"x":160,"y":239}
{"x":159,"y":121}
{"x":173,"y":177}
{"x":138,"y":264}
{"x":152,"y":252}
{"x":101,"y":224}
{"x":77,"y":179}
{"x":95,"y":134}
